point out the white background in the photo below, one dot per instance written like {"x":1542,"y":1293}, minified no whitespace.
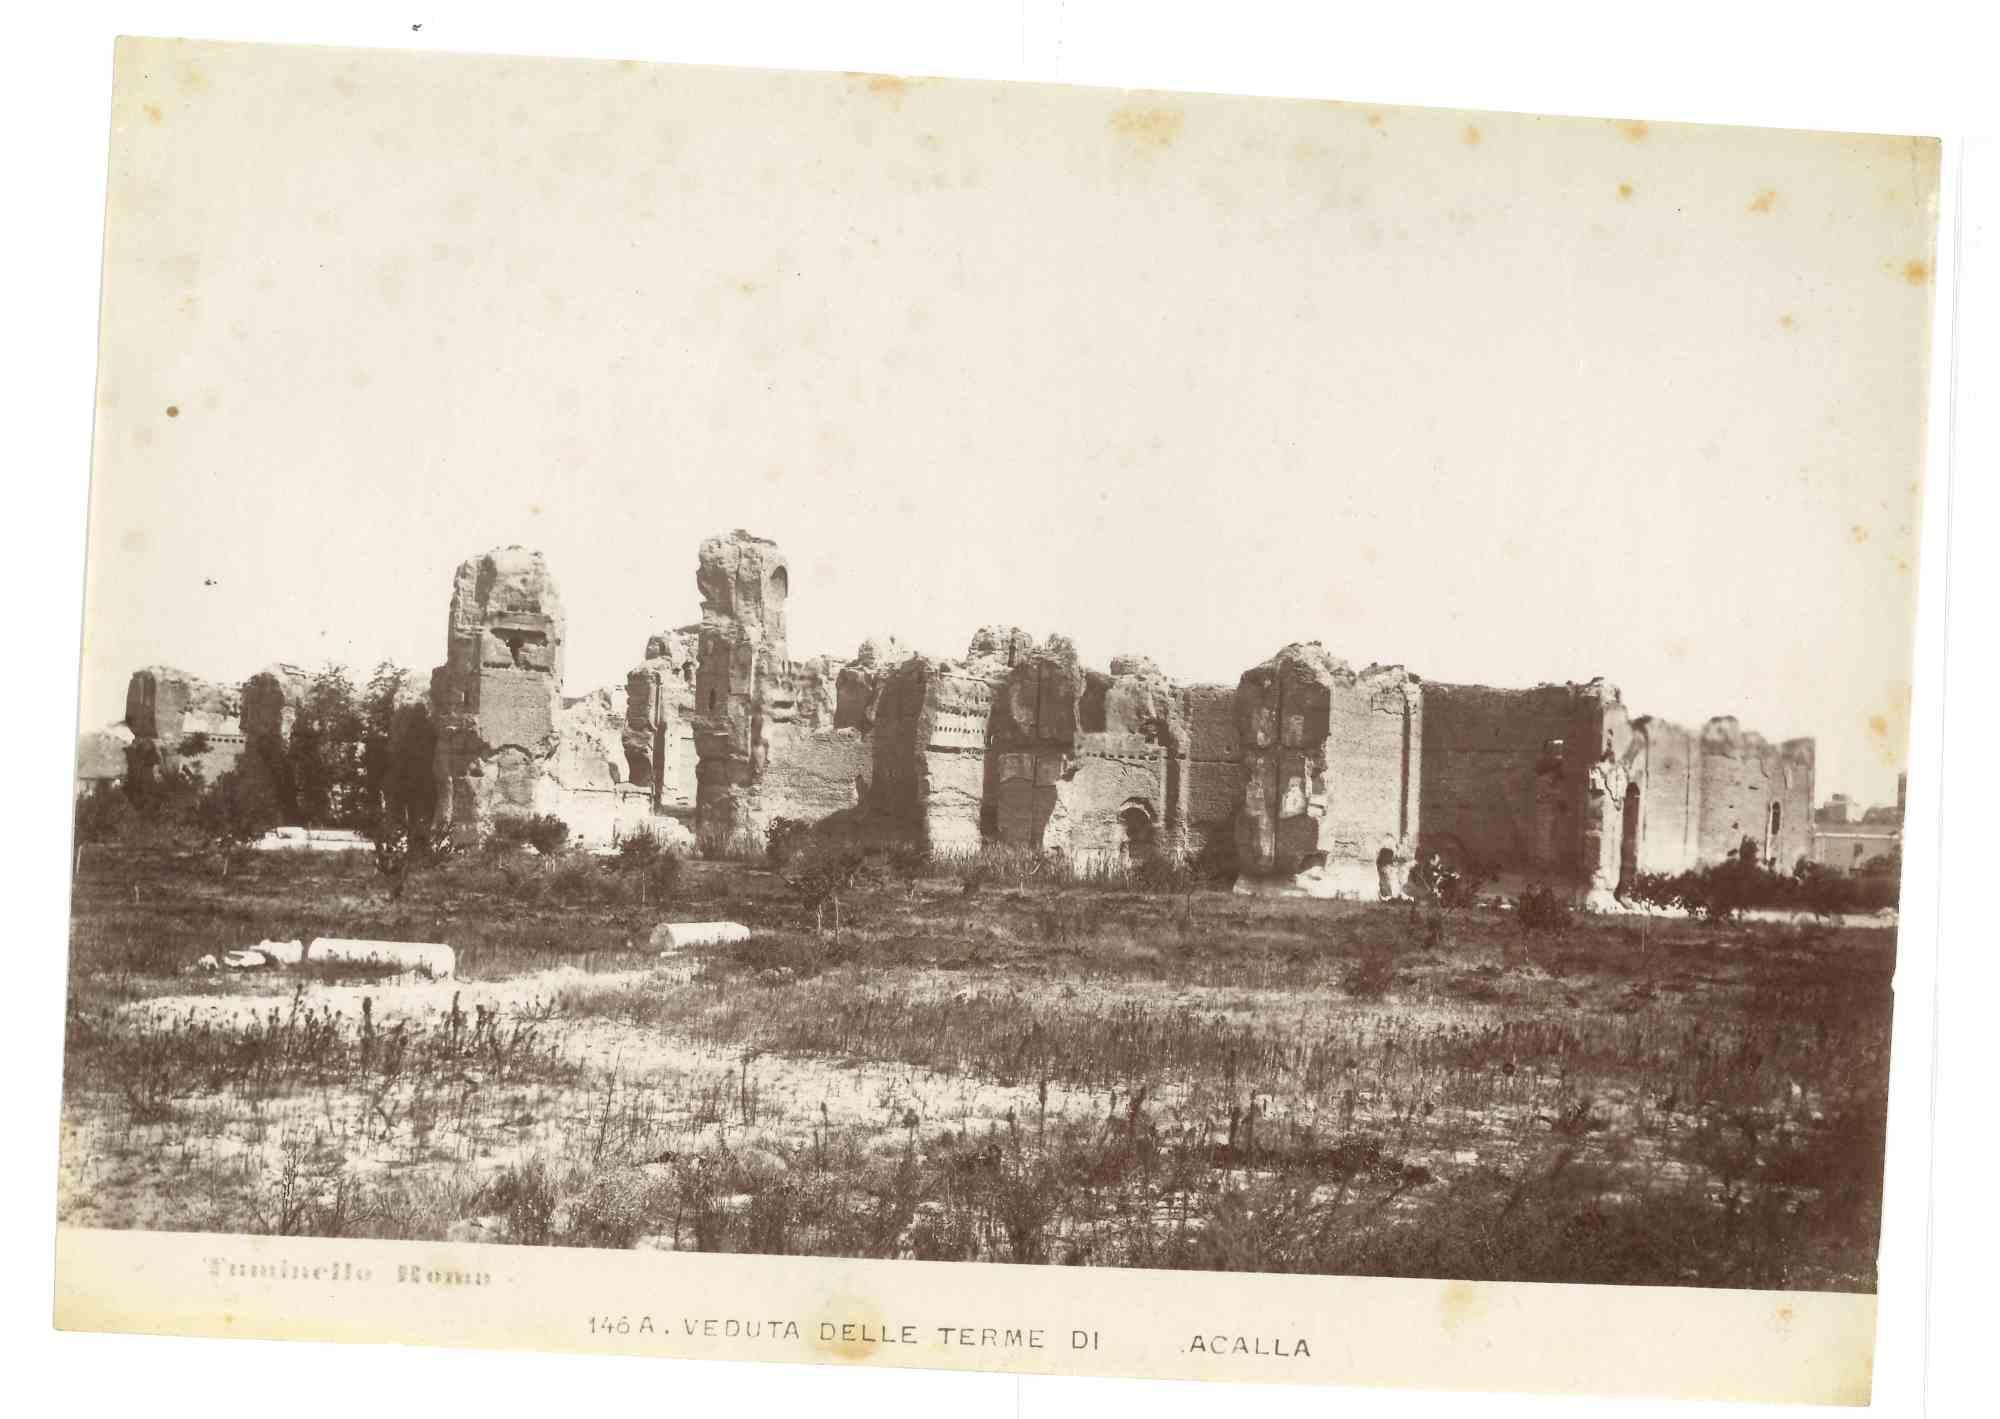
{"x":1913,"y":68}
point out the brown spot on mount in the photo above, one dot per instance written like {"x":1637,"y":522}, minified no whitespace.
{"x":1764,"y":201}
{"x":1148,"y":127}
{"x":1471,"y":136}
{"x":1917,"y":273}
{"x":1634,"y":130}
{"x":1624,"y":191}
{"x":886,"y":86}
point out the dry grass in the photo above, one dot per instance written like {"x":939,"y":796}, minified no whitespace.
{"x":1048,"y":1071}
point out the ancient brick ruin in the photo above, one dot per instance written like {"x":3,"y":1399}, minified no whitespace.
{"x":1307,"y":774}
{"x":508,"y":742}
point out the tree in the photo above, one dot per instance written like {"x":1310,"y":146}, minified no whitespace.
{"x":162,"y":791}
{"x":324,"y":753}
{"x":403,"y":848}
{"x":398,"y":751}
{"x":818,"y":874}
{"x":103,"y":815}
{"x":236,"y":809}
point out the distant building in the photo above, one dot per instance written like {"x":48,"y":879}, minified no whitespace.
{"x":100,"y":757}
{"x":1852,"y":847}
{"x":1847,"y":838}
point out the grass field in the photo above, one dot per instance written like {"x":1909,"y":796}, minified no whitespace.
{"x":1041,"y":1072}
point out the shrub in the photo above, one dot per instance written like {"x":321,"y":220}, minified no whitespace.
{"x":1543,"y":909}
{"x":906,"y":861}
{"x":1723,"y":891}
{"x":1068,"y":920}
{"x":783,"y":837}
{"x":234,"y":810}
{"x":547,"y":834}
{"x":402,"y":848}
{"x":1451,"y":885}
{"x":656,"y":867}
{"x":509,"y":831}
{"x":102,"y":814}
{"x":818,"y":873}
{"x":1369,"y":976}
{"x":1215,"y":862}
{"x":1654,"y":889}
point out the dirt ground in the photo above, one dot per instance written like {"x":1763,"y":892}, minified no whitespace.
{"x":1054,"y":1075}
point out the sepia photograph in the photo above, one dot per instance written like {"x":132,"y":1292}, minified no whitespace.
{"x":783,"y":675}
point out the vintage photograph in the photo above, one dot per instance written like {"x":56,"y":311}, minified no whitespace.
{"x":706,"y":661}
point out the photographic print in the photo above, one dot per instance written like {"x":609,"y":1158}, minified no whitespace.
{"x":996,"y":725}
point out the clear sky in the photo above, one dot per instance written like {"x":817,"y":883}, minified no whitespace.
{"x":1503,"y":399}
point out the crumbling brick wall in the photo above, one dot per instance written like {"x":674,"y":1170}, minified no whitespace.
{"x":1521,"y":781}
{"x":658,"y":735}
{"x":1088,"y":762}
{"x":743,"y":686}
{"x":1665,"y":766}
{"x":1304,"y":767}
{"x":165,"y":710}
{"x":1213,"y":768}
{"x":1329,"y":769}
{"x":1756,"y":790}
{"x":494,"y":701}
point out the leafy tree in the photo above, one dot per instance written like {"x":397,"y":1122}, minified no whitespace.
{"x":548,"y":834}
{"x":398,"y":751}
{"x":403,"y":848}
{"x":655,"y":866}
{"x":236,"y":809}
{"x":162,"y":791}
{"x":819,"y":873}
{"x":324,"y":753}
{"x":103,"y":815}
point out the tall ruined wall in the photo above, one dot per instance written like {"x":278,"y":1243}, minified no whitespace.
{"x":1086,"y":762}
{"x":926,"y":727}
{"x":495,"y":700}
{"x":1034,"y":731}
{"x":743,"y":685}
{"x":1330,"y":764}
{"x":1665,"y":765}
{"x":658,"y":733}
{"x":271,"y":700}
{"x":1132,"y":770}
{"x":1522,"y":780}
{"x":1213,"y":767}
{"x":1752,"y":788}
{"x":814,"y":766}
{"x":1374,"y":757}
{"x":165,"y":708}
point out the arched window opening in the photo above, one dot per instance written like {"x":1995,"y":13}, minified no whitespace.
{"x":1136,"y":832}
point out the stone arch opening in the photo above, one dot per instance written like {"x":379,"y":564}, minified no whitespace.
{"x":1138,"y":832}
{"x":1773,"y":820}
{"x":781,"y":582}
